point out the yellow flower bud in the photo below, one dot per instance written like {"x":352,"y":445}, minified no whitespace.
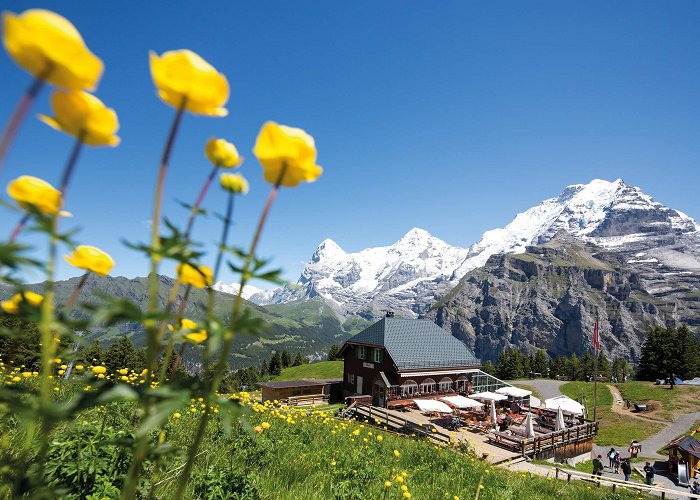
{"x":30,"y":298}
{"x":30,"y":191}
{"x":265,"y":425}
{"x":396,"y":453}
{"x":288,"y":152}
{"x":234,"y":183}
{"x":198,"y":277}
{"x":83,"y":116}
{"x":48,"y":46}
{"x":387,"y":484}
{"x":182,"y":75}
{"x":258,"y":430}
{"x":222,"y":153}
{"x":177,"y":415}
{"x":91,"y":259}
{"x":99,"y":370}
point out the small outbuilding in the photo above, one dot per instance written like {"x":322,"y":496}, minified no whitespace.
{"x":684,"y":450}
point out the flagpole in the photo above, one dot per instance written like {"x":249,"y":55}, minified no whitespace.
{"x":596,"y":344}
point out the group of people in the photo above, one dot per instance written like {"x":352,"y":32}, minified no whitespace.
{"x":616,"y":464}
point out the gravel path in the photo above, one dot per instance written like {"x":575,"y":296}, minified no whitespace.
{"x":547,"y":387}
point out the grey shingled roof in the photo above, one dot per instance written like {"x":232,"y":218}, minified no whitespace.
{"x":416,"y":343}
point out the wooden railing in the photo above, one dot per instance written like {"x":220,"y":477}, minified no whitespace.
{"x":375,"y":414}
{"x":618,"y":483}
{"x":309,"y":399}
{"x":531,"y":446}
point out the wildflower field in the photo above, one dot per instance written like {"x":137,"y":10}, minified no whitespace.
{"x":74,"y":428}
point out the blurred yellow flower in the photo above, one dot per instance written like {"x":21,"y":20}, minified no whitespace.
{"x":406,"y":494}
{"x":79,"y":367}
{"x":265,"y":425}
{"x":177,"y":415}
{"x":16,"y":379}
{"x":83,"y":115}
{"x":278,"y":147}
{"x":48,"y":46}
{"x":222,"y":153}
{"x":91,"y":259}
{"x":399,"y":479}
{"x":11,"y":306}
{"x":31,"y":191}
{"x":404,"y":487}
{"x":26,"y":374}
{"x":257,"y":429}
{"x":198,"y":277}
{"x":183,"y":75}
{"x":99,"y":370}
{"x":387,"y":484}
{"x":396,"y":453}
{"x":234,"y":183}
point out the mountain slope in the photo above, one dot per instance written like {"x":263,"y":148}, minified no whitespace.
{"x":291,"y":326}
{"x":549,"y":296}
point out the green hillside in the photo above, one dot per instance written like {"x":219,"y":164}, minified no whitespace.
{"x":321,"y":370}
{"x":309,"y":326}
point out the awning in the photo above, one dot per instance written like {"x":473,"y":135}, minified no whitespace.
{"x":432,"y":405}
{"x":565,"y":403}
{"x":492,"y":396}
{"x":462,"y":402}
{"x":515,"y":392}
{"x":441,"y":372}
{"x":535,"y":402}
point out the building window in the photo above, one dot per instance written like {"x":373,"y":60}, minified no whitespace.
{"x":445,"y":384}
{"x":361,"y":352}
{"x":409,"y":388}
{"x":461,"y":384}
{"x":427,"y":386}
{"x":351,"y":378}
{"x":378,"y":355}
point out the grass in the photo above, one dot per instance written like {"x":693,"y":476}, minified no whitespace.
{"x":683,"y":399}
{"x":321,"y":370}
{"x":615,"y":429}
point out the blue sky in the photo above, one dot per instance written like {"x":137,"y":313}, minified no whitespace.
{"x":451,"y":116}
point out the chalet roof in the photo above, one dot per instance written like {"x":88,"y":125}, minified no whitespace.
{"x":688,"y":444}
{"x":285,"y":384}
{"x":416,"y":343}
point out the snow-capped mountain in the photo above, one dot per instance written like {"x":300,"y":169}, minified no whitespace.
{"x":413,"y":273}
{"x":609,"y":214}
{"x":250,"y":292}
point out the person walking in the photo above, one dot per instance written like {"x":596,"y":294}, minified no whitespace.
{"x":598,"y":466}
{"x":626,"y":467}
{"x":650,"y":472}
{"x":618,"y":462}
{"x":611,"y":457}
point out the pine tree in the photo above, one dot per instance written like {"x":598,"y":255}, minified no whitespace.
{"x":299,"y":360}
{"x":573,"y":367}
{"x":653,"y":362}
{"x":333,"y":352}
{"x":539,"y":363}
{"x":686,"y":351}
{"x":603,"y":366}
{"x":587,"y":364}
{"x":489,"y":368}
{"x":275,"y":366}
{"x":286,"y":359}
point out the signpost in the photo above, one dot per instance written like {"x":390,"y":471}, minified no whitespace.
{"x":596,"y":348}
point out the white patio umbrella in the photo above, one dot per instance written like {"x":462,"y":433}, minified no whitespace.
{"x":432,"y":405}
{"x":529,"y":431}
{"x":462,"y":402}
{"x":493,"y":412}
{"x":559,"y":423}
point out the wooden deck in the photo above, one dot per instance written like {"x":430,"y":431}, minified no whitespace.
{"x":415,"y":421}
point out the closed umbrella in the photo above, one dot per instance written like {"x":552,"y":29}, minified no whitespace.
{"x":493,"y":412}
{"x":529,"y":431}
{"x":559,"y":423}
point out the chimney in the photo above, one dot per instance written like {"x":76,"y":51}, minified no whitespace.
{"x":390,"y":314}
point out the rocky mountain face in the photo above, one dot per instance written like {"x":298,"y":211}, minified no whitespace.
{"x":549,"y":296}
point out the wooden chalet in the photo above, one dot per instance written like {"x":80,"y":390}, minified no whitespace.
{"x":396,"y":359}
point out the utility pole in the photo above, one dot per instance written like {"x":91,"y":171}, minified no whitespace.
{"x":596,"y":348}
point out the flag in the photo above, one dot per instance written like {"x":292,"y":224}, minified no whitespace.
{"x":596,"y":337}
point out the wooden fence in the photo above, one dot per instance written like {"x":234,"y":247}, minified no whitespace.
{"x":375,"y":413}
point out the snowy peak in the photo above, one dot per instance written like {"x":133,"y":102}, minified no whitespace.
{"x":328,"y":250}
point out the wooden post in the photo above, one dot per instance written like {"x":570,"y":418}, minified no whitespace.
{"x":556,"y":474}
{"x":568,"y":479}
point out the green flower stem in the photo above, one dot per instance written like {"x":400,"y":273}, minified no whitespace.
{"x":19,"y":227}
{"x":198,"y":203}
{"x":21,"y":112}
{"x":152,"y":336}
{"x":74,"y":296}
{"x":176,"y":325}
{"x":224,"y":235}
{"x":151,"y":328}
{"x":228,"y":341}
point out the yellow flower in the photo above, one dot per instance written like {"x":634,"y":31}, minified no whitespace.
{"x":31,"y":191}
{"x":397,"y":454}
{"x":83,"y":115}
{"x":12,"y":306}
{"x":198,"y":277}
{"x":16,"y":379}
{"x":380,"y":438}
{"x":399,"y":479}
{"x":91,"y":259}
{"x":406,"y":494}
{"x":195,"y":336}
{"x":234,"y":183}
{"x":404,"y":487}
{"x":265,"y":425}
{"x":99,"y":370}
{"x":182,"y":74}
{"x":123,"y":371}
{"x":222,"y":153}
{"x":48,"y":46}
{"x":481,"y":486}
{"x":177,"y":415}
{"x":278,"y":147}
{"x":387,"y":484}
{"x":26,"y":374}
{"x":79,"y":367}
{"x":258,"y":429}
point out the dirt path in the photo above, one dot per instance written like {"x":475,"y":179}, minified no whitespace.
{"x":657,"y":441}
